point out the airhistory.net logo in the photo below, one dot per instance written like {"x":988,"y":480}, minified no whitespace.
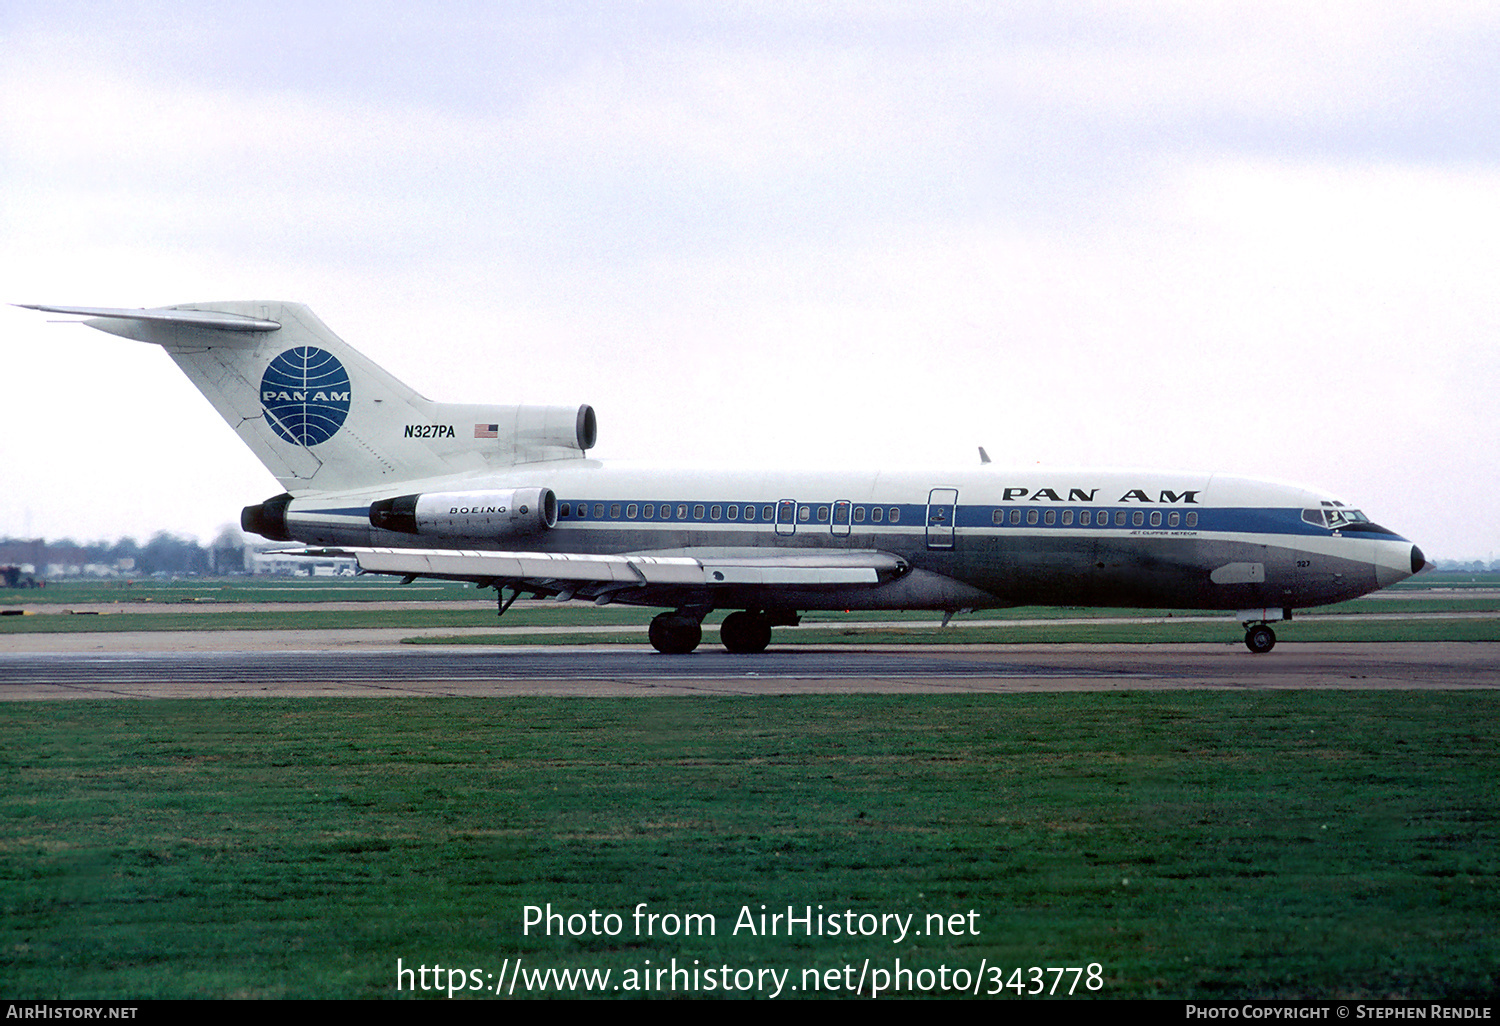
{"x":305,"y":392}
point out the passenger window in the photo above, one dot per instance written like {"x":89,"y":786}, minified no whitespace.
{"x":598,"y":511}
{"x":1120,"y":518}
{"x":859,"y":514}
{"x":733,"y":512}
{"x":1050,"y":518}
{"x":648,"y":511}
{"x":714,"y":512}
{"x":698,"y":511}
{"x":804,"y":514}
{"x":1156,"y":518}
{"x":631,"y":511}
{"x":765,"y":512}
{"x":1192,"y":520}
{"x":895,"y":514}
{"x":563,"y":510}
{"x":1173,"y":519}
{"x":997,"y":516}
{"x":877,"y":514}
{"x":682,"y":511}
{"x":614,"y":511}
{"x":1067,"y":518}
{"x":822,"y":514}
{"x":1015,"y":516}
{"x":1085,"y":517}
{"x":1031,"y":516}
{"x":1137,"y":518}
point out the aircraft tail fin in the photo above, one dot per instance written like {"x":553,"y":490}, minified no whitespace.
{"x":323,"y":417}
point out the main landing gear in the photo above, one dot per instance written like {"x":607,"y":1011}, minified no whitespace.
{"x":745,"y":632}
{"x":675,"y":633}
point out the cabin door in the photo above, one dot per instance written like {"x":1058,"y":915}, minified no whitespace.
{"x":786,"y":517}
{"x":942,"y":507}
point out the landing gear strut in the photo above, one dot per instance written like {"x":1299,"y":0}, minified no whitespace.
{"x":745,"y":632}
{"x":675,"y":634}
{"x":1259,"y":638}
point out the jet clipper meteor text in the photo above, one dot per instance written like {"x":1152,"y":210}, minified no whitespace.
{"x":507,"y":497}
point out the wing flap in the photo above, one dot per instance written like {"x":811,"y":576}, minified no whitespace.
{"x":543,"y":566}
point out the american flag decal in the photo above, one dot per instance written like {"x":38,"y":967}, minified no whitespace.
{"x":486,"y":430}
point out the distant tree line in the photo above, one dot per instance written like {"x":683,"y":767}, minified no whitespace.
{"x":164,"y":553}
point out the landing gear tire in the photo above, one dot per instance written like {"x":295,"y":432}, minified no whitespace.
{"x":673,"y":635}
{"x":1260,"y":638}
{"x":744,"y":633}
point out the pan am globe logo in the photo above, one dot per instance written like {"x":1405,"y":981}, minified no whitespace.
{"x":306,"y":392}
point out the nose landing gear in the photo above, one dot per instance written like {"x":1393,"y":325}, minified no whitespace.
{"x":1259,"y":638}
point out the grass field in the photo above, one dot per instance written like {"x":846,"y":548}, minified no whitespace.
{"x":1203,"y":844}
{"x":255,"y":604}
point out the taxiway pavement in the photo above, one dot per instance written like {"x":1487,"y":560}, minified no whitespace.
{"x":222,"y":664}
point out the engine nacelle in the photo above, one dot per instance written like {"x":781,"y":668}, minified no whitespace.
{"x":268,"y":519}
{"x":564,"y":426}
{"x":492,"y":514}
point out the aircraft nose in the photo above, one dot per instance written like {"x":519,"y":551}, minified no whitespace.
{"x":1393,"y":564}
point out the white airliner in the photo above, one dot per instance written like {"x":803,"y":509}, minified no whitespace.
{"x":507,"y":497}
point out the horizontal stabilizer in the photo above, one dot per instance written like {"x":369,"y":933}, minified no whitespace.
{"x":187,"y":318}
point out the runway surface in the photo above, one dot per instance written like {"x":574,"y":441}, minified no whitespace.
{"x":628,"y":670}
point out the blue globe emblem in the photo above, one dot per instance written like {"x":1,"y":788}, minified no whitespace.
{"x":305,"y":392}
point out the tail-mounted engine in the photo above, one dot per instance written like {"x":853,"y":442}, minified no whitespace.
{"x":492,"y":514}
{"x":268,"y":519}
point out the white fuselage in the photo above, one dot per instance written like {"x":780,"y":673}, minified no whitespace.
{"x":982,"y":536}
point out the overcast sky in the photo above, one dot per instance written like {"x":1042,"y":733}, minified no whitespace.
{"x":1259,"y":238}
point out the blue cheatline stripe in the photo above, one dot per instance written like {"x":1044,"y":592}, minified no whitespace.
{"x":912,"y":517}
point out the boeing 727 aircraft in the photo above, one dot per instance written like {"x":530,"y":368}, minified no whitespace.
{"x":507,"y":497}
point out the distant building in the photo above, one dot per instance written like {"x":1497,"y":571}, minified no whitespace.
{"x":301,"y":566}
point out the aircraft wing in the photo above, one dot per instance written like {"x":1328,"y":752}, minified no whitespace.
{"x":585,"y":575}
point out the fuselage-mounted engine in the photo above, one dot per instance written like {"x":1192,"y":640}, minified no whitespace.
{"x":502,"y":513}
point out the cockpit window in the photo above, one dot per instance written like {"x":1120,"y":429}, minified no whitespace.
{"x":1343,"y":517}
{"x":1334,"y":517}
